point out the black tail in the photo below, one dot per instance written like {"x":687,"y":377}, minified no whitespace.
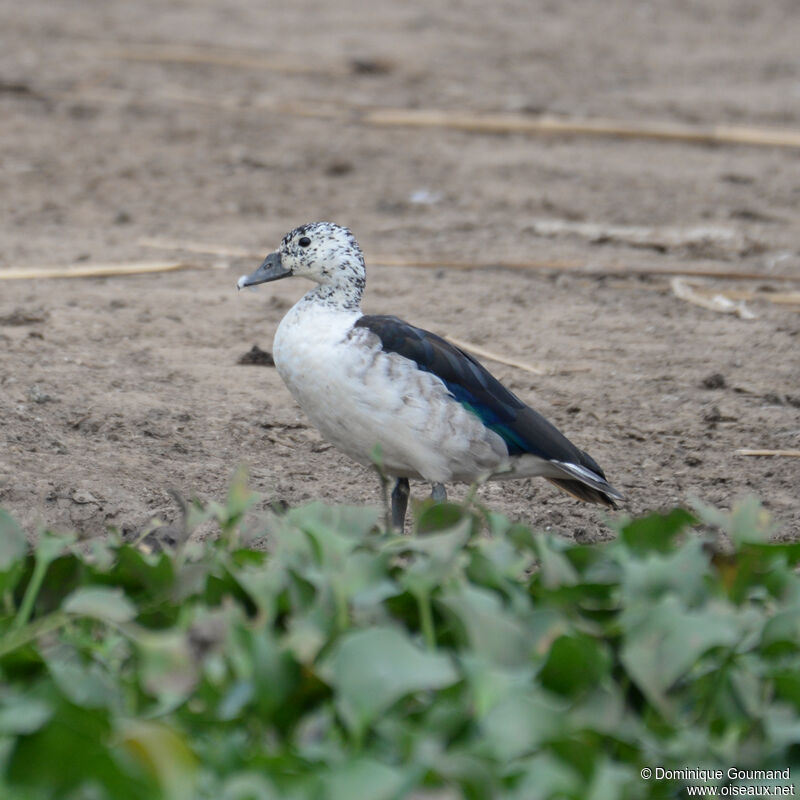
{"x":587,"y":493}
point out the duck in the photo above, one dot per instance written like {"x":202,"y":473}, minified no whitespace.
{"x":377,"y":387}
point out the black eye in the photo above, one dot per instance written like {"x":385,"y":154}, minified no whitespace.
{"x":304,"y":241}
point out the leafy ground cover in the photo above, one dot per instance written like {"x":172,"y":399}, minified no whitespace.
{"x":474,"y":658}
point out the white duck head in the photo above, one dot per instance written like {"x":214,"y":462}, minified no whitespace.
{"x":323,"y":252}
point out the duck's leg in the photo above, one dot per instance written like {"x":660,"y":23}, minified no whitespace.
{"x":400,"y":503}
{"x":438,"y":492}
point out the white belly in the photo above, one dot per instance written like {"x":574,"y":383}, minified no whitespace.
{"x":359,"y":397}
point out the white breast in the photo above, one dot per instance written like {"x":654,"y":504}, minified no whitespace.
{"x":358,"y":396}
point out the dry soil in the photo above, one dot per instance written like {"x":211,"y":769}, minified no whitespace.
{"x":127,"y":122}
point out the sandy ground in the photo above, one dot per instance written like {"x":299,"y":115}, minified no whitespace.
{"x":115,"y":390}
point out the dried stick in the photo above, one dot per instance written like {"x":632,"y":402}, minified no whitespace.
{"x":544,"y":265}
{"x":580,"y":268}
{"x":779,"y":298}
{"x":545,"y":124}
{"x":497,"y":123}
{"x":500,"y":359}
{"x":683,"y":290}
{"x":780,"y":453}
{"x":92,"y":270}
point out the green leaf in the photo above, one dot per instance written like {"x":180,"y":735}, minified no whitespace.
{"x":372,"y":669}
{"x":555,"y":570}
{"x":781,"y":632}
{"x":613,"y":780}
{"x":83,"y":683}
{"x":262,"y":584}
{"x":248,"y":786}
{"x":353,"y":522}
{"x":298,"y":671}
{"x":72,"y":749}
{"x":168,"y":669}
{"x":787,"y":686}
{"x":475,"y":777}
{"x":747,"y":687}
{"x":49,"y":545}
{"x":495,"y":632}
{"x":490,"y":684}
{"x":100,"y":602}
{"x":164,"y":755}
{"x":20,"y":714}
{"x":603,"y":710}
{"x":438,"y":557}
{"x":520,"y":725}
{"x":783,"y":726}
{"x":667,"y":639}
{"x":48,"y":548}
{"x":433,"y":517}
{"x":548,"y":778}
{"x":235,"y":700}
{"x":12,"y":542}
{"x":656,"y":532}
{"x":363,"y":777}
{"x":150,"y":575}
{"x":444,"y":547}
{"x":307,"y":635}
{"x":17,"y":639}
{"x":575,"y":664}
{"x":683,"y":572}
{"x":748,"y":521}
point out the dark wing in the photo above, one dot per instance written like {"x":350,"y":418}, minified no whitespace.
{"x":471,"y":384}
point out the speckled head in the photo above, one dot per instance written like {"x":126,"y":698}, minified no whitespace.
{"x":323,"y":252}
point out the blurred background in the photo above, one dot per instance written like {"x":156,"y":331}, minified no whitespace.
{"x":194,"y":134}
